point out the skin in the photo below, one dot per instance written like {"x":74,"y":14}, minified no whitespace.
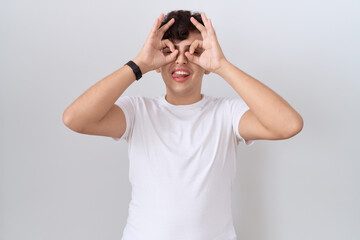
{"x":259,"y":122}
{"x":164,"y":55}
{"x":269,"y":116}
{"x":182,"y":93}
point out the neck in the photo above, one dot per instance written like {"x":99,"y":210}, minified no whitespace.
{"x":183,"y":100}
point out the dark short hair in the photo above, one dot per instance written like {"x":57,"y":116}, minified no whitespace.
{"x":182,"y":26}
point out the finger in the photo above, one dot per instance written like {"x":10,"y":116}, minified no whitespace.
{"x":192,"y":58}
{"x":198,"y":25}
{"x":171,"y":57}
{"x":167,"y":43}
{"x":166,"y":26}
{"x":205,"y":20}
{"x":194,"y":45}
{"x":161,"y":17}
{"x":211,"y":28}
{"x":156,"y":24}
{"x":208,"y":24}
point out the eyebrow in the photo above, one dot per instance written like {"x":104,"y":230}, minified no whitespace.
{"x":176,"y":46}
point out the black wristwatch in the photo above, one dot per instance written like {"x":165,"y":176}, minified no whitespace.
{"x":135,"y":69}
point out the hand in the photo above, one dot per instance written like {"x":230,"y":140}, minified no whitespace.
{"x":212,"y":57}
{"x":151,"y":57}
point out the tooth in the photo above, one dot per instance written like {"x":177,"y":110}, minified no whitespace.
{"x":181,"y":72}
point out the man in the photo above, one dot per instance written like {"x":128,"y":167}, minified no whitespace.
{"x":182,"y":145}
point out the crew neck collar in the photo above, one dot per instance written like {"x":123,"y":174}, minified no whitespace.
{"x":187,"y":106}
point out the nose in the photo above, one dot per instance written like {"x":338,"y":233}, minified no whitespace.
{"x":181,"y":58}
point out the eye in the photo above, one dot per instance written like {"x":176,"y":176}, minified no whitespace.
{"x":197,"y":51}
{"x":166,"y":51}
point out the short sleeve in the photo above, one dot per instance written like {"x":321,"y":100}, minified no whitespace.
{"x":237,"y":109}
{"x":127,"y":105}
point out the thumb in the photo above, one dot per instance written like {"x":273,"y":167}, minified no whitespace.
{"x":192,"y":58}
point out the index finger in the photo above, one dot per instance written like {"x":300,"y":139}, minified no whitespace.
{"x":166,"y":26}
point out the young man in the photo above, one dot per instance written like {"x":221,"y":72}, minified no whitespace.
{"x":183,"y":144}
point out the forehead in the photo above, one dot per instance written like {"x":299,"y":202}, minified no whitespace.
{"x":192,"y":36}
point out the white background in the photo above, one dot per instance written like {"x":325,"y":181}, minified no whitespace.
{"x":57,"y":184}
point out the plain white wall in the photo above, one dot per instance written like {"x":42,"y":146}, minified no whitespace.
{"x":58,"y":184}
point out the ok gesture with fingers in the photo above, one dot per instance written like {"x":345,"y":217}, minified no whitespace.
{"x":151,"y":56}
{"x":212,"y":57}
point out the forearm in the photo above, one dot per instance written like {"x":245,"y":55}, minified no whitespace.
{"x":93,"y":104}
{"x":270,"y":109}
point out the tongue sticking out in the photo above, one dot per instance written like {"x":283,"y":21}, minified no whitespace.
{"x":179,"y":75}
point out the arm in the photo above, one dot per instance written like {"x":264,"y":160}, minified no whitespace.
{"x":96,"y":104}
{"x":93,"y":104}
{"x":272,"y":111}
{"x":270,"y":116}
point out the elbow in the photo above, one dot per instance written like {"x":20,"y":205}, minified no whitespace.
{"x":296,"y":128}
{"x":299,"y":124}
{"x":68,"y":121}
{"x":67,"y":118}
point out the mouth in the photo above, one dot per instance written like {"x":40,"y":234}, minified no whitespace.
{"x":180,"y":75}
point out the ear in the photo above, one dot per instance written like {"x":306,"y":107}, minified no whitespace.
{"x":158,"y":70}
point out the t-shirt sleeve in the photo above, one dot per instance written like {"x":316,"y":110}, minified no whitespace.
{"x":237,"y":109}
{"x":127,"y":105}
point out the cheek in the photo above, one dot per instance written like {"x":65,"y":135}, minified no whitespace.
{"x":165,"y":69}
{"x":199,"y":71}
{"x":165,"y":73}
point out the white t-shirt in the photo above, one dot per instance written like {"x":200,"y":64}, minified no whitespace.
{"x":182,"y":166}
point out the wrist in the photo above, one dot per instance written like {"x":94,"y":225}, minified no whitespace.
{"x":141,"y":65}
{"x":223,"y":68}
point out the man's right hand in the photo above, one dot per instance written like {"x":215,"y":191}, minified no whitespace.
{"x":151,"y":56}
